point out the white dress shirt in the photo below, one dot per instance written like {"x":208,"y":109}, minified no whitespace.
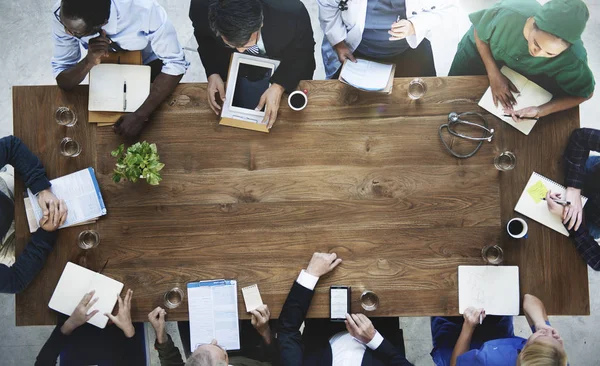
{"x":134,"y":25}
{"x":345,"y":349}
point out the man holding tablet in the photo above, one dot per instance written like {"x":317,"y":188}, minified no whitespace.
{"x":266,"y":28}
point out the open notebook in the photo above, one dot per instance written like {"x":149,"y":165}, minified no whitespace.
{"x":213,"y":311}
{"x":118,"y":88}
{"x":531,"y":204}
{"x":368,"y":75}
{"x":530,"y":94}
{"x":81,"y":193}
{"x":75,"y":282}
{"x":493,"y":288}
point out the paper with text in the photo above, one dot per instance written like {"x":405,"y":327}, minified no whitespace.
{"x":530,"y":95}
{"x":213,"y":313}
{"x":366,"y":75}
{"x":493,"y":288}
{"x":107,"y":82}
{"x":252,"y":297}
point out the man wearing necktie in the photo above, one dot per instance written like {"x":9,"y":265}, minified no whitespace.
{"x":266,"y":28}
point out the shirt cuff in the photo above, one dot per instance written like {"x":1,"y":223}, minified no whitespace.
{"x":376,"y":341}
{"x":307,"y":280}
{"x":162,"y":346}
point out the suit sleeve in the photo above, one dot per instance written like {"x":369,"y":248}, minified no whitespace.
{"x":291,"y":318}
{"x":390,"y":355}
{"x":214,"y":55}
{"x":29,"y":167}
{"x":168,"y":353}
{"x":52,"y":348}
{"x":298,"y":60}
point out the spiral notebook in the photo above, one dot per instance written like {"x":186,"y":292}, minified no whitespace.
{"x":531,"y":204}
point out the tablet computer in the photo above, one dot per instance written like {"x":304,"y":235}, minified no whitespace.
{"x":249,"y":81}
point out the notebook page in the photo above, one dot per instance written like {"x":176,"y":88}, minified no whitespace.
{"x":493,"y":288}
{"x":226,"y":316}
{"x":138,"y":85}
{"x":366,"y":75}
{"x":78,"y":190}
{"x":107,"y":290}
{"x":106,"y":88}
{"x":252,"y":297}
{"x":530,"y":94}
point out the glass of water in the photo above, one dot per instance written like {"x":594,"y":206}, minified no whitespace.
{"x":417,"y":89}
{"x":173,"y":298}
{"x":492,"y":254}
{"x":88,"y":239}
{"x":65,"y":117}
{"x":505,"y":161}
{"x":69,"y":147}
{"x":369,"y":300}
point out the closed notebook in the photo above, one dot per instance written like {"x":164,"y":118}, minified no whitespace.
{"x":531,"y":204}
{"x":493,"y":288}
{"x":75,"y":282}
{"x":530,"y":95}
{"x":118,"y":88}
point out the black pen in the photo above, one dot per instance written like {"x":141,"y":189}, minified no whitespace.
{"x":530,"y":118}
{"x":105,"y":263}
{"x":560,"y":202}
{"x":124,"y":95}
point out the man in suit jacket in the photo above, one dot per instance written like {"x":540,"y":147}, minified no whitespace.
{"x":270,"y":28}
{"x":371,"y":349}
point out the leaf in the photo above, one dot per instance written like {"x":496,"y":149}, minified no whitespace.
{"x":140,"y":160}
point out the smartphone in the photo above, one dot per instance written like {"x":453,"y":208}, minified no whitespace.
{"x":339,"y":303}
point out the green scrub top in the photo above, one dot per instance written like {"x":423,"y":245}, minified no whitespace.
{"x":501,"y":27}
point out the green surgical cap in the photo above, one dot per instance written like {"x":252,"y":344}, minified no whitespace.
{"x":563,"y":18}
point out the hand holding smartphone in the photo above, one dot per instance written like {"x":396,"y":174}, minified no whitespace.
{"x":339,"y":303}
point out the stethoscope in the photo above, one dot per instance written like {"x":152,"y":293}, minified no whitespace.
{"x":454,"y":119}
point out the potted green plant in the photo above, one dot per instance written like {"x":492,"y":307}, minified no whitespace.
{"x":139,"y":161}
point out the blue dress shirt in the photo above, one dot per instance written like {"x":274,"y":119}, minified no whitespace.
{"x":134,"y":25}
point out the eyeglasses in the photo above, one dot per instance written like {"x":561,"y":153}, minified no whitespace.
{"x":88,"y":32}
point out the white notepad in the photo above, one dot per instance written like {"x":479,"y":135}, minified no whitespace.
{"x":81,"y":193}
{"x":538,"y":210}
{"x":252,"y":297}
{"x":530,"y":95}
{"x":75,"y":282}
{"x":213,"y":312}
{"x":366,"y":75}
{"x":493,"y":288}
{"x":107,"y":83}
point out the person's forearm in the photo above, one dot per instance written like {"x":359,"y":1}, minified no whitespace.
{"x":534,"y":310}
{"x":14,"y":152}
{"x":486,"y":55}
{"x":462,"y":344}
{"x":70,"y":78}
{"x":168,"y":354}
{"x":162,"y":87}
{"x":560,"y":104}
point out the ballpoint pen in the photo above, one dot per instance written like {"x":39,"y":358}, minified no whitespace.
{"x":124,"y":95}
{"x":480,"y":318}
{"x":529,"y":118}
{"x":560,"y":202}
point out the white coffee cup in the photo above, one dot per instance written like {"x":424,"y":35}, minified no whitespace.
{"x":516,"y":233}
{"x":301,"y":93}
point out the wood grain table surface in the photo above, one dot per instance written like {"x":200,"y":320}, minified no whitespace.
{"x":360,"y":174}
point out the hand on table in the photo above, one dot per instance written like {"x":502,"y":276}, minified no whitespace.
{"x":260,"y":322}
{"x":471,"y":316}
{"x":130,"y":125}
{"x":401,"y":29}
{"x":517,"y":116}
{"x":123,"y":317}
{"x":322,"y":263}
{"x":573,"y":213}
{"x":55,"y":215}
{"x":80,"y":315}
{"x":502,"y":89}
{"x":215,"y":85}
{"x":360,"y":327}
{"x":157,"y":319}
{"x":270,"y":100}
{"x":343,"y":52}
{"x":97,"y":48}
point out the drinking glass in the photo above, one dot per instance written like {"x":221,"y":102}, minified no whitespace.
{"x":65,"y":117}
{"x":69,"y":147}
{"x":369,"y":300}
{"x":492,"y":254}
{"x":505,"y":161}
{"x":88,"y":239}
{"x":417,"y":88}
{"x":173,"y":298}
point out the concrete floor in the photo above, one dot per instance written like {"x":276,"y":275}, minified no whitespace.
{"x":27,"y":44}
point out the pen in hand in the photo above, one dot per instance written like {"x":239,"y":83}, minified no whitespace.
{"x":560,"y":202}
{"x":519,"y":117}
{"x":480,"y":318}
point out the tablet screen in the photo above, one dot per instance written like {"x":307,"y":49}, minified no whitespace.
{"x":252,"y":81}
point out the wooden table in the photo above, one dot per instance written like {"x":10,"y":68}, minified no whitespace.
{"x":360,"y":174}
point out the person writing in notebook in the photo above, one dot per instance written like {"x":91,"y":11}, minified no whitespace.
{"x":357,"y":340}
{"x":582,"y":178}
{"x":464,"y":341}
{"x":103,"y":26}
{"x":254,"y":351}
{"x":15,"y":278}
{"x":275,"y":29}
{"x":543,"y":43}
{"x":78,"y":343}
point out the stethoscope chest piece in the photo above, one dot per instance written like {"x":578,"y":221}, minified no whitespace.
{"x":454,"y":120}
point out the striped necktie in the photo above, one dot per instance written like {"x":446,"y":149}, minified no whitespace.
{"x":253,"y":50}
